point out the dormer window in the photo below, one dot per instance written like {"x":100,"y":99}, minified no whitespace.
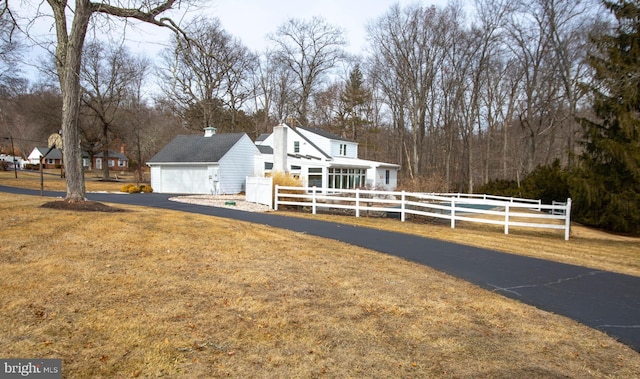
{"x":343,"y":149}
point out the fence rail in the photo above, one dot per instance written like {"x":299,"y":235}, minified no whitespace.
{"x":496,"y":210}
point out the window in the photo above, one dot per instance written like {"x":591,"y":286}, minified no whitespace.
{"x":111,"y":162}
{"x":387,"y":176}
{"x":296,"y":146}
{"x":51,"y":161}
{"x":343,"y":149}
{"x":121,"y":163}
{"x":347,"y":178}
{"x":315,"y":177}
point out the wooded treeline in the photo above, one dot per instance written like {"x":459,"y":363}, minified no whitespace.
{"x":459,"y":96}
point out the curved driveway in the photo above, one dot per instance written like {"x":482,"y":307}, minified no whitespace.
{"x":603,"y":300}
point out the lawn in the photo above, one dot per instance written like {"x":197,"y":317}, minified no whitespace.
{"x":148,"y":293}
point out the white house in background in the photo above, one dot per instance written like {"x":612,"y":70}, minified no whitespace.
{"x":209,"y":164}
{"x":321,"y":159}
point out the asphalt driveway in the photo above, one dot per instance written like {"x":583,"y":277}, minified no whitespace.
{"x":603,"y":300}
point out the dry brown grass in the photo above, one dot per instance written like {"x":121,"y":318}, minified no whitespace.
{"x":53,"y":182}
{"x":150,"y":293}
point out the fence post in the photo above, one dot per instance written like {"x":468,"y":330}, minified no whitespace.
{"x":357,"y":202}
{"x":275,"y":197}
{"x":453,"y":213}
{"x":313,"y":200}
{"x":567,"y":220}
{"x":402,"y":207}
{"x":506,"y":218}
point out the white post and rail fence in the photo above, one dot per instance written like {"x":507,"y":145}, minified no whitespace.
{"x":505,"y":211}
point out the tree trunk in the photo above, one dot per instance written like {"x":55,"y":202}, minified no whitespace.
{"x":69,"y":55}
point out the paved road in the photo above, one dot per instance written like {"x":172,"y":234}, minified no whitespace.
{"x":603,"y":300}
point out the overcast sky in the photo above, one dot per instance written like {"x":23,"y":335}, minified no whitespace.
{"x":252,"y":20}
{"x":248,"y":20}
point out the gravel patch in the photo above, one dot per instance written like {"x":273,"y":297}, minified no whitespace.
{"x":223,"y":201}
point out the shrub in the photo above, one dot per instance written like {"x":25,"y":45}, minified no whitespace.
{"x":547,"y":183}
{"x":434,"y":183}
{"x":285,"y":179}
{"x":125,"y":188}
{"x":501,"y":187}
{"x":132,"y":188}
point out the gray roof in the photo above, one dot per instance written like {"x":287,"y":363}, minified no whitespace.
{"x":57,"y":153}
{"x":113,"y":154}
{"x":265,"y":149}
{"x":324,"y":133}
{"x":196,"y":148}
{"x":53,"y":154}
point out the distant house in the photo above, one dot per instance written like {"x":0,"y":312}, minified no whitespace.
{"x":52,"y":160}
{"x":209,"y":164}
{"x":115,"y":160}
{"x":321,"y":159}
{"x":12,"y":159}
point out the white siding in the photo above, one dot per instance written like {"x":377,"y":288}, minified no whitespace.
{"x":190,"y":179}
{"x":352,"y":149}
{"x":156,"y":174}
{"x":236,"y":165}
{"x":323,"y":143}
{"x":378,"y":178}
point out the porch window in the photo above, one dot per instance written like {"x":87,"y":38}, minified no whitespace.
{"x":347,"y":178}
{"x":315,"y":177}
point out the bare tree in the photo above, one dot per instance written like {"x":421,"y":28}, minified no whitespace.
{"x":11,"y":48}
{"x":264,"y":78}
{"x":203,"y":77}
{"x":408,"y":46}
{"x":69,"y":47}
{"x":108,"y":75}
{"x":309,"y":49}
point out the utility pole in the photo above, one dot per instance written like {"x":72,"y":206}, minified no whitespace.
{"x":15,"y":161}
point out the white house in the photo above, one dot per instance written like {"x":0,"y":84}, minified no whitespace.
{"x":321,"y":159}
{"x":209,"y":164}
{"x":53,"y":157}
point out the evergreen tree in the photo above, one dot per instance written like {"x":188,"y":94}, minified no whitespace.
{"x":607,"y":187}
{"x":354,"y":101}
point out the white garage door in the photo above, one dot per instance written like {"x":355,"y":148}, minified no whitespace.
{"x":185,"y":179}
